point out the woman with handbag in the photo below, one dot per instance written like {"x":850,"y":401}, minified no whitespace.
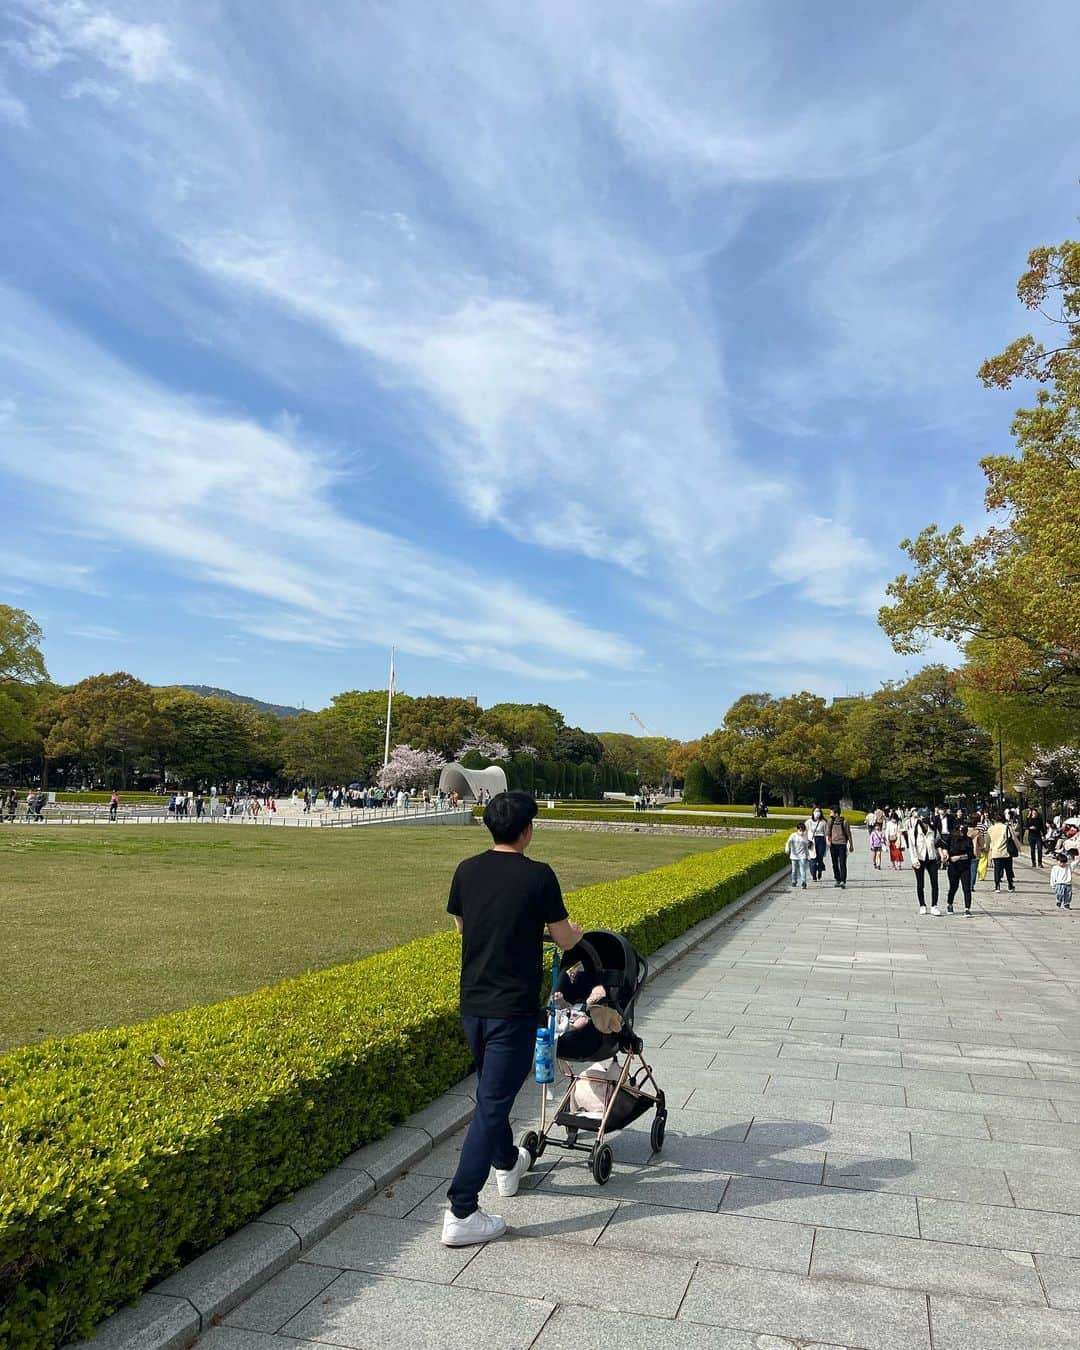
{"x":1003,"y":847}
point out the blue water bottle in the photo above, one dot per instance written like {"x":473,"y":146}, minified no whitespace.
{"x":545,"y":1059}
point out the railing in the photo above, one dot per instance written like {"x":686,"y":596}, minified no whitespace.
{"x":320,"y":817}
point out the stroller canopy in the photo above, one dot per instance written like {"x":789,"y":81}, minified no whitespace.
{"x":614,"y":963}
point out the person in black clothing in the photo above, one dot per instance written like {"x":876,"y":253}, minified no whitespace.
{"x":1035,"y":831}
{"x":838,"y":833}
{"x":961,"y":852}
{"x":501,"y":902}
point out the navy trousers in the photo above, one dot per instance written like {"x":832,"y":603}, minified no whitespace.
{"x":502,"y":1049}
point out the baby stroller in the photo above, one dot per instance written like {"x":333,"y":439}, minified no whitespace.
{"x":607,"y":959}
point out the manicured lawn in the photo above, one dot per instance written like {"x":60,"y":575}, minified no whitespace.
{"x":101,"y":926}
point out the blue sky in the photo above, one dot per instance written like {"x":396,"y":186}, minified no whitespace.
{"x":593,"y":354}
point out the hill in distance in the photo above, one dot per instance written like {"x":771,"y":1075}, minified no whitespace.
{"x":208,"y":691}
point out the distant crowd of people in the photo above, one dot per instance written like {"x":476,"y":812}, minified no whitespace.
{"x":33,"y":805}
{"x":967,"y":845}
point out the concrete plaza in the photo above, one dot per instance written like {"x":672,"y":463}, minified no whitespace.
{"x":873,"y":1141}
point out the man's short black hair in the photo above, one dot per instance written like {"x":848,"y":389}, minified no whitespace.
{"x":508,"y":814}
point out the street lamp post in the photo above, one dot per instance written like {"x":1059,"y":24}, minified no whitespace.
{"x":1020,"y":796}
{"x":1042,"y":784}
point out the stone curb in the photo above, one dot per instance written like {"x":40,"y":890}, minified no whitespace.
{"x":179,"y":1309}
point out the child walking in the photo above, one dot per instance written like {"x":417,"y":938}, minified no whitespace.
{"x":1061,"y":880}
{"x":876,"y":842}
{"x":798,"y":850}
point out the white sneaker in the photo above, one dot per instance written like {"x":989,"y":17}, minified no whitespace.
{"x":478,"y":1227}
{"x":935,"y":911}
{"x":509,"y":1181}
{"x":922,"y":909}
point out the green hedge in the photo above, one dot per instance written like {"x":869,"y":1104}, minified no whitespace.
{"x":741,"y":822}
{"x":114,"y":1171}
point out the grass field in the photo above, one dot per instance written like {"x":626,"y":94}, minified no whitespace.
{"x":105,"y":926}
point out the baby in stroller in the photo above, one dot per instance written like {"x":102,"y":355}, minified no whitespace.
{"x":584,"y":1015}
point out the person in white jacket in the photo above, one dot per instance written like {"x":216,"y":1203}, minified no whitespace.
{"x":798,"y":850}
{"x":926,"y":847}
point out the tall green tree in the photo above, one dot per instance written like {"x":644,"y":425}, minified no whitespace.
{"x":1009,"y":592}
{"x":20,"y":647}
{"x":106,"y":723}
{"x":318,"y":749}
{"x":518,"y":724}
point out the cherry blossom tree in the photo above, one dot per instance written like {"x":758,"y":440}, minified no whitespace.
{"x":409,"y":768}
{"x":483,"y":746}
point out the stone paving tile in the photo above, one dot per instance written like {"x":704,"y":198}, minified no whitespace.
{"x":908,"y":1118}
{"x":1060,"y":1090}
{"x":933,"y":1267}
{"x":364,"y":1311}
{"x":949,"y":1080}
{"x":746,"y":1106}
{"x":537,"y":1214}
{"x":998,"y":1226}
{"x":659,"y":1183}
{"x":1037,"y":1189}
{"x":281,"y":1298}
{"x":981,"y":1103}
{"x":1049,"y":1133}
{"x":807,"y":1310}
{"x":788,"y":1088}
{"x":238,"y":1338}
{"x":711,"y":1237}
{"x":1061,"y":1280}
{"x":828,"y":1206}
{"x":782,"y":1134}
{"x":755,"y":1160}
{"x":385,"y":1246}
{"x":574,"y":1328}
{"x":943,"y":1181}
{"x":405,"y":1194}
{"x":613,"y":1281}
{"x":968,"y":1324}
{"x":995,"y":1153}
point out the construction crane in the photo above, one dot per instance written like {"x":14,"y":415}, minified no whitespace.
{"x":642,"y":725}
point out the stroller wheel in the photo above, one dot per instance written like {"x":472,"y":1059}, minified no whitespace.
{"x":531,"y":1140}
{"x":601,"y":1164}
{"x":656,"y":1134}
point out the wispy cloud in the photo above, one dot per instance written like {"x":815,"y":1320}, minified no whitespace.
{"x":250,"y":510}
{"x":59,"y":32}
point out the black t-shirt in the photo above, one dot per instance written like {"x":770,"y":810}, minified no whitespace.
{"x":504,"y":901}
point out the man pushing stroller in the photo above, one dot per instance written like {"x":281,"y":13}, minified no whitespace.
{"x":501,"y":902}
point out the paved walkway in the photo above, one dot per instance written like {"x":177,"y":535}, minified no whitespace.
{"x":874,"y":1141}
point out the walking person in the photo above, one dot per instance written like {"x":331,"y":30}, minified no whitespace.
{"x":892,"y":838}
{"x":960,"y":853}
{"x":876,"y":842}
{"x":501,"y":902}
{"x":1004,"y":847}
{"x":798,"y":850}
{"x":926,"y":847}
{"x":1036,"y":829}
{"x":1061,"y":875}
{"x":114,"y":806}
{"x":841,"y":844}
{"x":816,"y":827}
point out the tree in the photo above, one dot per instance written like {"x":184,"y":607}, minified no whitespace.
{"x":699,"y":786}
{"x":1062,"y":766}
{"x":518,"y":724}
{"x":318,"y":748}
{"x":577,"y":746}
{"x":433,"y":722}
{"x":481,"y":748}
{"x":1009,"y":593}
{"x":915,"y":742}
{"x":749,"y":727}
{"x":20,"y":648}
{"x":103,"y":718}
{"x":409,"y":768}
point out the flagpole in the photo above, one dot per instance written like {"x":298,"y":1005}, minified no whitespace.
{"x":389,"y":705}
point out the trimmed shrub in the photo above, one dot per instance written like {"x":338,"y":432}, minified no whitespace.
{"x":124,"y":1153}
